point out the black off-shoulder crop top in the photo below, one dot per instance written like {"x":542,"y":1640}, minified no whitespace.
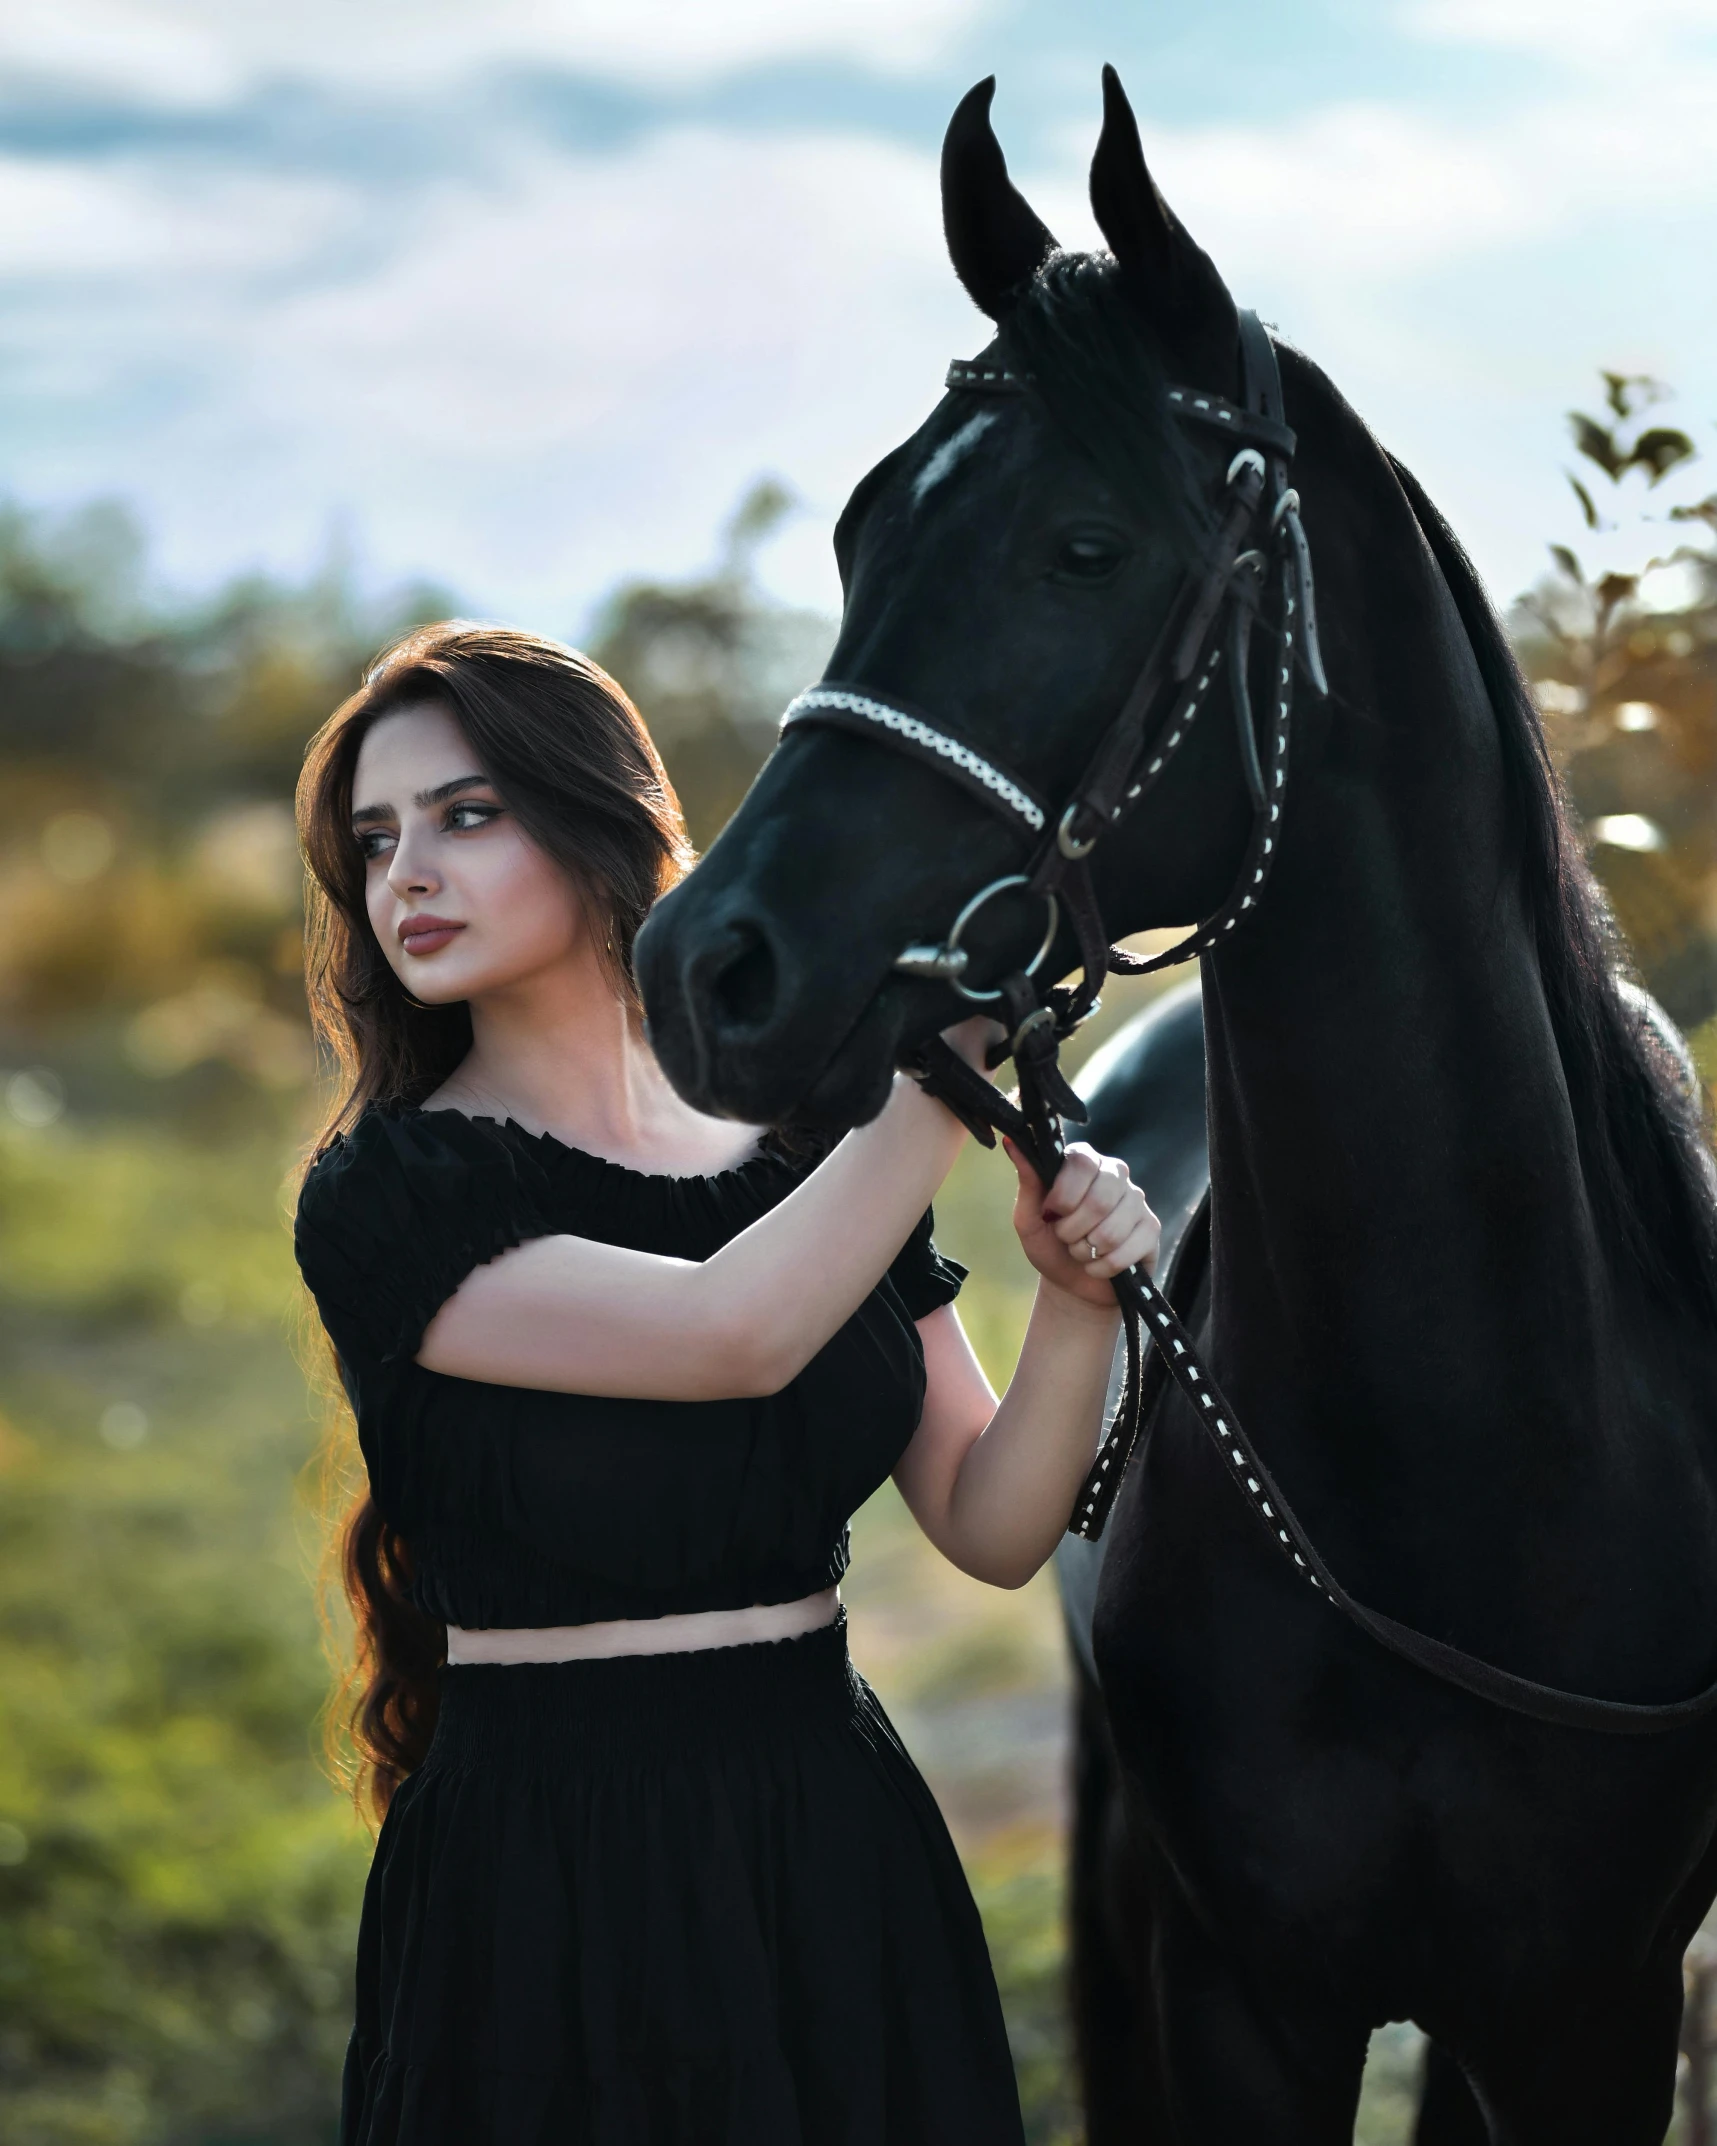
{"x":528,"y":1508}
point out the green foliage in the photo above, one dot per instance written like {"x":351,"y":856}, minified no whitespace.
{"x":148,"y":865}
{"x":1389,"y":2098}
{"x":152,"y":960}
{"x":1625,"y":664}
{"x":1625,"y":444}
{"x":1018,"y":1882}
{"x":178,"y":1879}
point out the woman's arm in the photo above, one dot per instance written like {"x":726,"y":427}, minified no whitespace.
{"x":571,"y":1316}
{"x":992,"y":1483}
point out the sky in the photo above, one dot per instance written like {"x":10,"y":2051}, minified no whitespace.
{"x":521,"y":296}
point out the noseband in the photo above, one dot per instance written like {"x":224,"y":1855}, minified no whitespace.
{"x":1260,"y":523}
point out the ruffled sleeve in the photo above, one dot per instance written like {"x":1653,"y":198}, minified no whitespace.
{"x":395,"y":1214}
{"x":923,"y":1277}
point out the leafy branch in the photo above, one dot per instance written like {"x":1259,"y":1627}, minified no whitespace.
{"x":1624,"y":444}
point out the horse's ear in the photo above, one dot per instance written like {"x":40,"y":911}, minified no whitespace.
{"x":995,"y":239}
{"x":1176,"y":280}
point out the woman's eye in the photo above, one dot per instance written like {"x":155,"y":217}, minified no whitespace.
{"x":1088,"y":558}
{"x":374,"y":841}
{"x":461,"y":818}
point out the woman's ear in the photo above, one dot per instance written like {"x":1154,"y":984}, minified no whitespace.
{"x":995,"y":238}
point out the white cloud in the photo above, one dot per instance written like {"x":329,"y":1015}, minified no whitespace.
{"x":1586,"y":31}
{"x":572,"y":377}
{"x":196,"y":52}
{"x":529,"y":389}
{"x":1353,"y":190}
{"x":532,"y":381}
{"x":1378,"y":191}
{"x":68,"y":225}
{"x":150,"y":51}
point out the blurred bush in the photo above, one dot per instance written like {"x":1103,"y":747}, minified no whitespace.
{"x":148,"y":866}
{"x":1623,"y":654}
{"x":149,"y":871}
{"x":711,"y":665}
{"x":178,"y":1882}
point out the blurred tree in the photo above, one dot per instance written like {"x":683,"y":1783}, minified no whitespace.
{"x":1624,"y":661}
{"x":147,"y":860}
{"x":148,"y":864}
{"x":712,"y":662}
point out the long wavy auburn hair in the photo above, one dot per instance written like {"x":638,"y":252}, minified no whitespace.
{"x":571,"y":757}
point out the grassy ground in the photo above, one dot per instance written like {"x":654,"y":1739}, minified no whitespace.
{"x":178,"y":1880}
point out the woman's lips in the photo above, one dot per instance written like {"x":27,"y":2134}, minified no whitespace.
{"x":423,"y":935}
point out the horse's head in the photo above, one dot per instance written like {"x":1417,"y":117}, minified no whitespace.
{"x":1006,"y":572}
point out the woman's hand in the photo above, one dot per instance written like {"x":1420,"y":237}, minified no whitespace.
{"x":992,"y":1483}
{"x":1092,"y":1223}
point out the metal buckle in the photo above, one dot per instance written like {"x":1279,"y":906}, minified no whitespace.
{"x":947,"y":962}
{"x":1039,"y":1017}
{"x":1068,"y":842}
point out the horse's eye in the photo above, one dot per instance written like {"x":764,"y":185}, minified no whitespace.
{"x":1088,"y":558}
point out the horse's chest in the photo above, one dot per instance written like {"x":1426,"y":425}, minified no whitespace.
{"x":1304,"y":1787}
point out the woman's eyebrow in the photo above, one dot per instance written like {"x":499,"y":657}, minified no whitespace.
{"x":443,"y":791}
{"x":370,"y":815}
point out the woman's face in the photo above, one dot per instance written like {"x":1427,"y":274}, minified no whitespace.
{"x":461,"y":900}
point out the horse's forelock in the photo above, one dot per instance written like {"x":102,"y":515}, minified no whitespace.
{"x":1103,"y":376}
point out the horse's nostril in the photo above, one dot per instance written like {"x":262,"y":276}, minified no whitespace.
{"x":742,"y":991}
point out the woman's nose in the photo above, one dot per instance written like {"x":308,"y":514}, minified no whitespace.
{"x":409,"y":870}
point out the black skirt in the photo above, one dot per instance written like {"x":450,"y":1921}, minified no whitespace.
{"x":673,"y":1900}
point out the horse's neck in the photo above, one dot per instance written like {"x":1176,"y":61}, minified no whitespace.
{"x":1402,"y":1238}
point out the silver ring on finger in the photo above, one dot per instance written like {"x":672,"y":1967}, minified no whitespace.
{"x":1091,"y":1251}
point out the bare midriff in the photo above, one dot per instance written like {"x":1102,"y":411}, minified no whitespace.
{"x":689,"y":1634}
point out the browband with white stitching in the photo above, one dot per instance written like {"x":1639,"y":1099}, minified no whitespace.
{"x":977,"y":378}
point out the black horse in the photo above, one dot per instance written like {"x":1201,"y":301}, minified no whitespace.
{"x":1459,"y":1279}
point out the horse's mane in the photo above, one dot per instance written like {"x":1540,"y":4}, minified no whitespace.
{"x":1638,"y":1120}
{"x":1648,"y":1170}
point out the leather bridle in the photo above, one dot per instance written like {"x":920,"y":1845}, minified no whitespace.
{"x":1209,"y":627}
{"x":1168,"y":695}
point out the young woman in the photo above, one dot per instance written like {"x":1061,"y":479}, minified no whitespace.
{"x":655,"y":1870}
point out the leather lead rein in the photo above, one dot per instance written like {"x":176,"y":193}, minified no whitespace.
{"x":1183,"y":667}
